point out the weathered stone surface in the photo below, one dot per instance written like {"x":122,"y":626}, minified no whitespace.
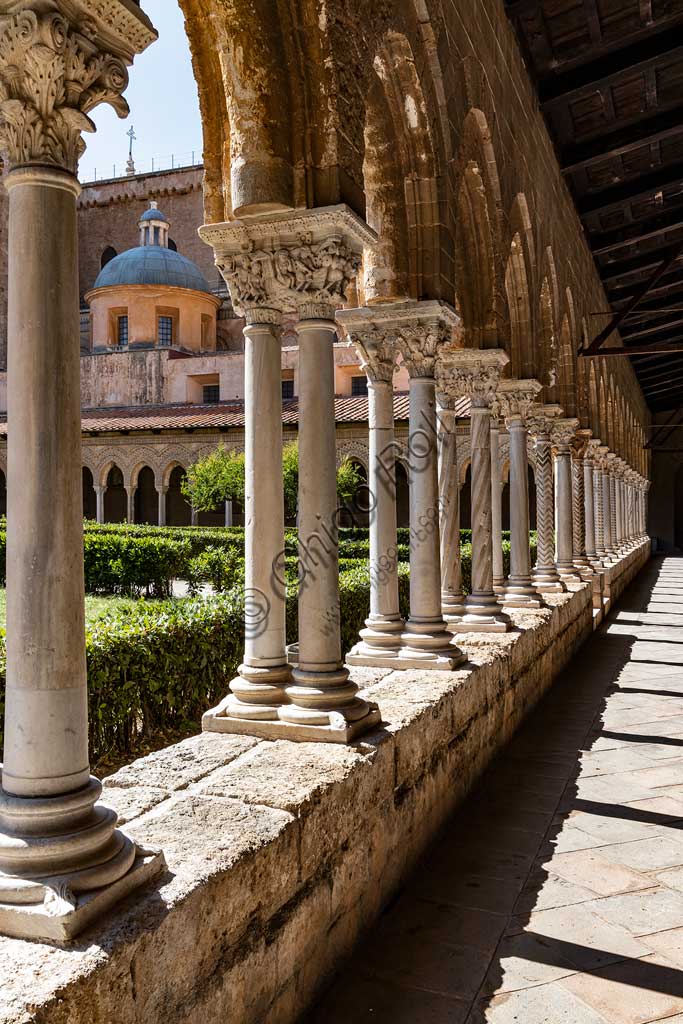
{"x":177,"y":766}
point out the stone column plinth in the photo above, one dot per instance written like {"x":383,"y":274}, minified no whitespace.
{"x":563,"y":434}
{"x":302,"y":262}
{"x":545,"y":576}
{"x":372,"y":332}
{"x":516,"y":399}
{"x":497,"y":565}
{"x":63,"y":862}
{"x":427,"y":642}
{"x":452,"y":597}
{"x":476,"y":373}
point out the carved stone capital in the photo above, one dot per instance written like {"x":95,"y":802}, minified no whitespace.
{"x":516,"y":398}
{"x":563,"y":434}
{"x":581,"y":444}
{"x":474,"y":373}
{"x":304,"y":261}
{"x":59,"y":59}
{"x":540,"y":419}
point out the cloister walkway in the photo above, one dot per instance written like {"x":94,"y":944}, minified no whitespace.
{"x":555,"y":896}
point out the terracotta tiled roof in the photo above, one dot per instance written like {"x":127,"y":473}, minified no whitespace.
{"x":223,"y":415}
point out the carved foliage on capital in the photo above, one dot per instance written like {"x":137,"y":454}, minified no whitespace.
{"x":515,"y":399}
{"x":52,"y":74}
{"x":287,"y":277}
{"x":420,"y":346}
{"x":376,"y":347}
{"x":564,"y":433}
{"x":478,"y":382}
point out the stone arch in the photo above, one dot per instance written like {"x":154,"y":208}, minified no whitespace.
{"x":115,"y":495}
{"x":146,"y":495}
{"x":593,"y":399}
{"x":400,"y":177}
{"x":566,"y":369}
{"x":522,"y":361}
{"x":174,"y":463}
{"x":89,"y":496}
{"x":479,"y":288}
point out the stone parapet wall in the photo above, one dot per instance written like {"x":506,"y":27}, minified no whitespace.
{"x":279,"y":854}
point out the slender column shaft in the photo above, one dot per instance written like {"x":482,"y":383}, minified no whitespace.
{"x":452,"y":599}
{"x":163,"y":491}
{"x":606,"y":511}
{"x":613,"y":511}
{"x":130,"y":504}
{"x":545,"y":574}
{"x":599,"y":512}
{"x":482,"y":554}
{"x":496,"y":508}
{"x":382,"y":482}
{"x":228,"y":512}
{"x":46,"y":727}
{"x":519,"y":590}
{"x":99,"y":498}
{"x":579,"y":515}
{"x":589,"y":510}
{"x":425,"y":560}
{"x":563,"y":512}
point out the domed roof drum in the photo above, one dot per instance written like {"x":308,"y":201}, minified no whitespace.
{"x":152,"y":264}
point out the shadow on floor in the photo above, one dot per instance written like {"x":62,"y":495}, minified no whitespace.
{"x":551,"y":896}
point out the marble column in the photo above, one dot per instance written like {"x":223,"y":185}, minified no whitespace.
{"x":427,"y":640}
{"x":589,"y":502}
{"x":476,"y":373}
{"x":496,"y":508}
{"x":516,"y":398}
{"x":618,"y":504}
{"x":599,"y":453}
{"x":580,"y":553}
{"x":564,"y":431}
{"x":63,"y":862}
{"x":607,"y":506}
{"x":612,"y":471}
{"x":452,"y":597}
{"x":130,"y":503}
{"x":162,"y":491}
{"x":100,"y":490}
{"x":228,"y":509}
{"x":545,"y":576}
{"x":301,"y":263}
{"x":371,"y":330}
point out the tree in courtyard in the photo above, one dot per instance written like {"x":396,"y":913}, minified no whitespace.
{"x":215,"y":479}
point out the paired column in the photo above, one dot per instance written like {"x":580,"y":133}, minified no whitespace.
{"x":427,"y":641}
{"x":162,"y":491}
{"x":545,"y":576}
{"x":496,"y":507}
{"x":563,"y":434}
{"x":99,"y":502}
{"x":579,"y":505}
{"x":130,"y":503}
{"x":371,"y":331}
{"x":516,"y":398}
{"x":476,"y":373}
{"x":62,"y":860}
{"x":302,"y":263}
{"x":590,"y":503}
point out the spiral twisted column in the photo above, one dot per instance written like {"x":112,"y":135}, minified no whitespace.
{"x":612,"y":462}
{"x":607,"y":502}
{"x":301,"y":262}
{"x":476,"y":373}
{"x":601,"y":518}
{"x":545,"y":576}
{"x":590,"y":503}
{"x":427,"y":642}
{"x":452,"y":597}
{"x":580,"y":553}
{"x":516,"y":398}
{"x":63,"y":862}
{"x":563,"y":434}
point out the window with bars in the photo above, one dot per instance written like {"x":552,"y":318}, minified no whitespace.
{"x":122,"y":330}
{"x":287,"y":389}
{"x":165,"y":330}
{"x":359,"y":385}
{"x":211,"y":393}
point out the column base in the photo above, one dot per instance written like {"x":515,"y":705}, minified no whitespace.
{"x":452,"y":605}
{"x":336,"y":730}
{"x":428,"y":645}
{"x":568,"y":574}
{"x":258,"y":691}
{"x":547,"y":581}
{"x":483,"y":614}
{"x":60,"y":919}
{"x":522,"y":595}
{"x":379,"y":645}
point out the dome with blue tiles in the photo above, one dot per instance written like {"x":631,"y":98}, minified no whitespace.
{"x":152,"y":262}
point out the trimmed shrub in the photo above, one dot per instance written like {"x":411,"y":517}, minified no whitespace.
{"x":120,"y":564}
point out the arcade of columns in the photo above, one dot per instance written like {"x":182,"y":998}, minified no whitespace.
{"x":63,"y":862}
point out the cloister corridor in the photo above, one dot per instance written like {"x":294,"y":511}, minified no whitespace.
{"x":555,"y":895}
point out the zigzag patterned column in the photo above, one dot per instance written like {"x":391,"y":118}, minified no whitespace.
{"x":563,"y":434}
{"x":544,"y":576}
{"x":581,"y":559}
{"x":452,"y":597}
{"x":496,"y":508}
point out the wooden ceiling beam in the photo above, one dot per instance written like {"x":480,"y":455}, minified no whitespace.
{"x":641,"y":231}
{"x":639,"y":188}
{"x":601,"y":73}
{"x":615,"y":269}
{"x":675,"y":345}
{"x":657,"y":128}
{"x":628,"y":335}
{"x":670,"y":284}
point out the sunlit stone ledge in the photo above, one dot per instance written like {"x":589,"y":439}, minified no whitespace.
{"x":280,"y":853}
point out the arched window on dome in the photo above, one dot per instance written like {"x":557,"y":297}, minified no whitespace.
{"x":107,"y":256}
{"x":172,"y":245}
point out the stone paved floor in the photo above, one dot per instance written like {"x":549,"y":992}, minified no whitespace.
{"x":556,"y":893}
